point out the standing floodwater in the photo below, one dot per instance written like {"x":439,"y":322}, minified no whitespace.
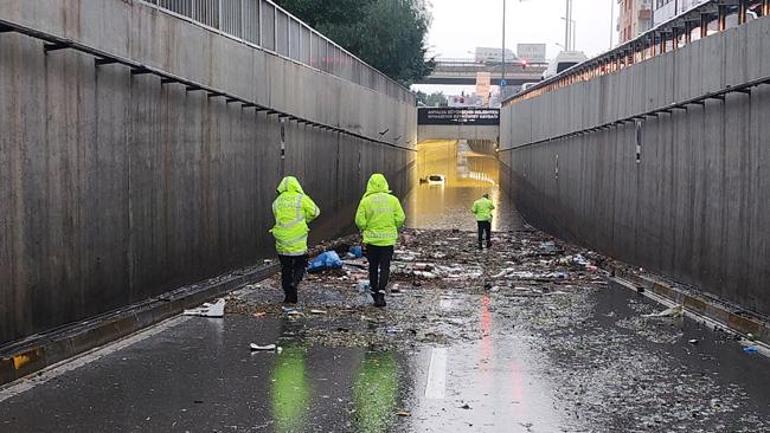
{"x":460,"y":176}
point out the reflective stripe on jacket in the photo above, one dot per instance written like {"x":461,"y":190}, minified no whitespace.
{"x":379,"y":214}
{"x":482,"y":208}
{"x":293,"y":210}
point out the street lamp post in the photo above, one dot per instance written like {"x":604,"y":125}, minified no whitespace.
{"x":502,"y":81}
{"x":612,"y":22}
{"x":568,"y":40}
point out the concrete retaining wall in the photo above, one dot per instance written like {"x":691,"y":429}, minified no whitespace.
{"x":114,"y":188}
{"x":131,"y":29}
{"x":696,"y":205}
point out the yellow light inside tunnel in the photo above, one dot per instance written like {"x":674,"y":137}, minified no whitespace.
{"x":468,"y":168}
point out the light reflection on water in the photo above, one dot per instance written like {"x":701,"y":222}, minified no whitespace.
{"x":468,"y":175}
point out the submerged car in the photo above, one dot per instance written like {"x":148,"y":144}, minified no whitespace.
{"x":436,"y":179}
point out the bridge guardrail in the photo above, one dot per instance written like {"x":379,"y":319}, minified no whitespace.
{"x":265,"y":25}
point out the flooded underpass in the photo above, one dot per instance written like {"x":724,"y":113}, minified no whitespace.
{"x":524,"y":337}
{"x":466,"y":174}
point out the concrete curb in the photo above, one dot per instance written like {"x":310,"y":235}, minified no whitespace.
{"x":723,"y":314}
{"x":32,"y":354}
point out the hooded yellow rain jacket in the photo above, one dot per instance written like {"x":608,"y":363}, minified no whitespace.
{"x":379,"y":214}
{"x":293,"y":210}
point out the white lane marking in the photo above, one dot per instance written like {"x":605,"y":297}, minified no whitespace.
{"x":58,"y":369}
{"x":436,"y":386}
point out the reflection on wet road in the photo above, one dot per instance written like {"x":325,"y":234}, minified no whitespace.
{"x":492,"y":385}
{"x":594,"y":374}
{"x":200,"y":376}
{"x":468,"y":175}
{"x":519,"y":338}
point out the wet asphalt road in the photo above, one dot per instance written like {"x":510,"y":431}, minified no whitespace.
{"x":572,"y":359}
{"x":198,"y":375}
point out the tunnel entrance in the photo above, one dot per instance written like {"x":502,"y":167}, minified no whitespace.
{"x":451,"y":175}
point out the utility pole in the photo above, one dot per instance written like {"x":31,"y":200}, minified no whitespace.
{"x":612,"y":22}
{"x":502,"y":81}
{"x":568,"y":43}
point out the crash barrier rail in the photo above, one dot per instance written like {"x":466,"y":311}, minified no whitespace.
{"x":638,"y":119}
{"x":264,"y":25}
{"x":53,"y":43}
{"x":699,"y":22}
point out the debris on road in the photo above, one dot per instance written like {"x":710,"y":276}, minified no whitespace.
{"x":673,"y":312}
{"x":325,"y":261}
{"x":426,"y":266}
{"x":214,"y":310}
{"x":611,"y":360}
{"x":267,"y":347}
{"x":355,"y":252}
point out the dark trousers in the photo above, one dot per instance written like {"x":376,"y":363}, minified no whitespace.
{"x":379,"y":266}
{"x":485,"y":226}
{"x":292,"y":272}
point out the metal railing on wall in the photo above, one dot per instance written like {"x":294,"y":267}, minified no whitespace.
{"x":265,"y":25}
{"x":701,"y":21}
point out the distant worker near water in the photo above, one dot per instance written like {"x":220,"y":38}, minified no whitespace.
{"x":293,"y":211}
{"x":379,"y":217}
{"x":483,"y":208}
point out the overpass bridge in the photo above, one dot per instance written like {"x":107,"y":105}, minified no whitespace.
{"x":465,"y":72}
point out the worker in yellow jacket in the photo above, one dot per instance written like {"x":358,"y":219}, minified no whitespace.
{"x":483,"y":208}
{"x":379,"y":217}
{"x":293,"y":210}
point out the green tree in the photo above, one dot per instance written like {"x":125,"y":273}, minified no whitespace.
{"x":435,"y":99}
{"x":388,"y":34}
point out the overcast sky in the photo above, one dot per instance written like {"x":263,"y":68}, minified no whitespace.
{"x":459,"y":26}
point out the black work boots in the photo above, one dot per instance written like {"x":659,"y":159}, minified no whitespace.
{"x":379,"y":299}
{"x":290,"y":296}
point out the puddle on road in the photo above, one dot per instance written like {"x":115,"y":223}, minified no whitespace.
{"x":489,"y":385}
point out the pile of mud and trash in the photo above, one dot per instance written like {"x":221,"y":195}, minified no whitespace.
{"x":429,"y":271}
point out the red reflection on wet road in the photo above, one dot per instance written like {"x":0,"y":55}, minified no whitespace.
{"x":487,"y":349}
